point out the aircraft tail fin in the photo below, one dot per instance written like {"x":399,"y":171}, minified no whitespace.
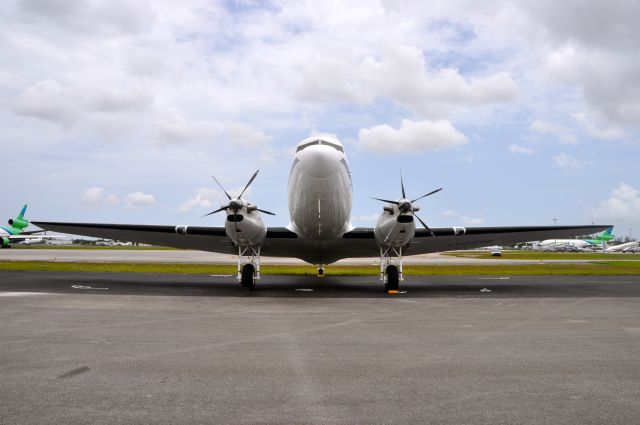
{"x":22,"y":212}
{"x":19,"y":222}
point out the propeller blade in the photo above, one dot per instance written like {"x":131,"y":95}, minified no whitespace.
{"x":428,"y":194}
{"x":424,"y":224}
{"x":264,"y":211}
{"x":402,"y":186}
{"x":388,"y":201}
{"x":247,"y":186}
{"x":225,"y":192}
{"x":216,"y":211}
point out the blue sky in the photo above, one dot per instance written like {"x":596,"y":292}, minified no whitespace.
{"x":524,"y":111}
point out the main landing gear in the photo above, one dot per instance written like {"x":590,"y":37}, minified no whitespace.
{"x":391,"y":268}
{"x":248,"y":267}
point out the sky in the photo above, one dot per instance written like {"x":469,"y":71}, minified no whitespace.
{"x":524,"y":111}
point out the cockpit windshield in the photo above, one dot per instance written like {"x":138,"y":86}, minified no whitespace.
{"x":320,"y":142}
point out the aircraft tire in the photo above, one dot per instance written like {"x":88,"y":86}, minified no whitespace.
{"x":393,"y":278}
{"x":247,"y":281}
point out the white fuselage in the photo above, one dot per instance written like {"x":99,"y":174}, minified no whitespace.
{"x":320,"y":190}
{"x":566,"y":243}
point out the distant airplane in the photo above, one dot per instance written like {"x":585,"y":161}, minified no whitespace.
{"x":320,"y":231}
{"x":15,"y":233}
{"x":600,"y":240}
{"x":625,"y":247}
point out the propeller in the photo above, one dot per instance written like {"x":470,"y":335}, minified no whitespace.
{"x":405,"y":205}
{"x":236,"y":203}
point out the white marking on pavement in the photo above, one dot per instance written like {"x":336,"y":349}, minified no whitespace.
{"x":20,"y":294}
{"x":494,"y":278}
{"x":304,"y":290}
{"x":485,"y":290}
{"x":87,"y":287}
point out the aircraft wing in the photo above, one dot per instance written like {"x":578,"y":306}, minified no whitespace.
{"x":454,"y":238}
{"x":281,"y":242}
{"x":212,"y":239}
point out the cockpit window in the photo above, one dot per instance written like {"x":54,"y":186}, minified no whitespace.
{"x":333,"y":145}
{"x":320,"y":142}
{"x":306,"y":145}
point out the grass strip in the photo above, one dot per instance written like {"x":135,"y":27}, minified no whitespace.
{"x":540,"y":255}
{"x":595,"y":268}
{"x":96,"y":247}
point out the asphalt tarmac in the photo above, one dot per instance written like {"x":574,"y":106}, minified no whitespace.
{"x":137,"y":348}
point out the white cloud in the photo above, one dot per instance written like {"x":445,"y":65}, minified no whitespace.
{"x":412,"y":136}
{"x":622,"y":206}
{"x":244,"y":135}
{"x":521,"y":149}
{"x":450,"y":213}
{"x":467,"y":221}
{"x":365,"y":219}
{"x":589,"y":127}
{"x":564,"y":134}
{"x":203,"y":198}
{"x":211,"y":198}
{"x":471,"y":221}
{"x":594,"y":51}
{"x":401,"y":74}
{"x":566,"y":162}
{"x":95,"y":196}
{"x":139,"y":199}
{"x":47,"y":100}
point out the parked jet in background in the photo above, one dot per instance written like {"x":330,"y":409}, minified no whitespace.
{"x":15,"y":233}
{"x":625,"y":247}
{"x":599,"y":241}
{"x":320,"y":231}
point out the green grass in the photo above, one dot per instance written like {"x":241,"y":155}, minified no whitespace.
{"x":99,"y":247}
{"x":542,"y":255}
{"x":595,"y":268}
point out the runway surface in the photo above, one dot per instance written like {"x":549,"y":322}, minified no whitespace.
{"x":200,"y":257}
{"x":134,"y":348}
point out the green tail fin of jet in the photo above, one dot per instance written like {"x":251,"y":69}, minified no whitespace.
{"x":19,"y":223}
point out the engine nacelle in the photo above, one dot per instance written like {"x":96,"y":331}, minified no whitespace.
{"x":18,"y":223}
{"x":4,"y":242}
{"x":245,"y":226}
{"x":394,"y":229}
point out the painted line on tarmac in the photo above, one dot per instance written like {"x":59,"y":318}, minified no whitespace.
{"x":21,"y":294}
{"x":494,"y":278}
{"x":88,"y":287}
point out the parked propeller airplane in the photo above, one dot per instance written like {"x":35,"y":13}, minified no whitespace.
{"x":320,"y":232}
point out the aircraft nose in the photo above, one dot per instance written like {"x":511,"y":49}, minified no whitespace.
{"x":319,"y":161}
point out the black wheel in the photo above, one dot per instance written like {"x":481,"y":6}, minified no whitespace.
{"x":393,"y":278}
{"x":247,"y":281}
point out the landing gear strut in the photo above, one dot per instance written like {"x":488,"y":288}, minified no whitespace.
{"x":391,"y":268}
{"x":248,"y":267}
